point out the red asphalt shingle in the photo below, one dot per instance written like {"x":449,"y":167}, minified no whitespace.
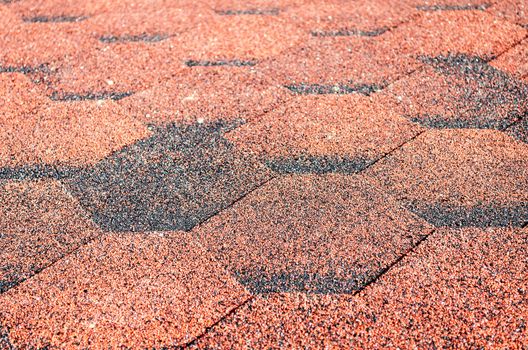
{"x":34,"y":44}
{"x":36,"y":130}
{"x":356,"y":128}
{"x":163,"y":22}
{"x":459,"y":289}
{"x":122,"y":291}
{"x":249,"y":37}
{"x":459,"y":91}
{"x":459,"y":177}
{"x":263,"y":174}
{"x":312,"y":234}
{"x":39,"y":223}
{"x":192,"y":95}
{"x":30,"y":8}
{"x":352,"y":18}
{"x":340,"y":63}
{"x":514,"y":61}
{"x":515,"y":11}
{"x":118,"y":67}
{"x":443,"y":32}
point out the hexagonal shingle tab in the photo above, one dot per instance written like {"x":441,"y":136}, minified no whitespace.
{"x":442,"y":32}
{"x":351,"y":18}
{"x":132,"y":290}
{"x":315,"y":234}
{"x":195,"y":94}
{"x":459,"y":178}
{"x":34,"y":44}
{"x":128,"y":66}
{"x":321,"y":134}
{"x":458,"y":289}
{"x":330,"y":65}
{"x":175,"y":179}
{"x":515,"y":11}
{"x":240,"y":37}
{"x":36,"y":130}
{"x":460,"y":91}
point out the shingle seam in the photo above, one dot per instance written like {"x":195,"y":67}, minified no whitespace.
{"x":349,"y":32}
{"x":147,"y":38}
{"x":395,"y":262}
{"x":201,"y":222}
{"x":211,"y":63}
{"x":83,"y":243}
{"x":517,"y":43}
{"x":383,"y":156}
{"x":209,"y":328}
{"x":67,"y":253}
{"x":90,"y":96}
{"x":443,"y":7}
{"x":61,"y":257}
{"x":250,"y":11}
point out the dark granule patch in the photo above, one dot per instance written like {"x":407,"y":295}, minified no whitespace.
{"x":349,"y":32}
{"x":234,"y":63}
{"x":478,"y":216}
{"x":339,"y":89}
{"x":43,"y":68}
{"x":148,"y":38}
{"x":253,"y":11}
{"x":461,"y":63}
{"x":318,"y":165}
{"x":311,"y":234}
{"x":171,"y":181}
{"x":5,"y":343}
{"x":444,"y":7}
{"x":442,"y":122}
{"x":461,"y":91}
{"x":259,"y":281}
{"x":519,"y":130}
{"x":9,"y":280}
{"x":54,"y":19}
{"x":56,"y":96}
{"x":35,"y":172}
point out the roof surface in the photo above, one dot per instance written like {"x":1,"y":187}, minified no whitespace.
{"x":263,"y":174}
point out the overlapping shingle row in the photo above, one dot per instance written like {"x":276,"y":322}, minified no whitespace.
{"x":263,"y":174}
